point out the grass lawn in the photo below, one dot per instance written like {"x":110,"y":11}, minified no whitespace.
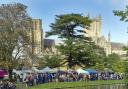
{"x":75,"y":84}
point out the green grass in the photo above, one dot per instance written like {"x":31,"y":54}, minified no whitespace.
{"x":75,"y":84}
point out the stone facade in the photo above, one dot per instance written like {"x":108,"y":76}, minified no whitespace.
{"x":37,"y":36}
{"x":118,"y":49}
{"x":47,"y":45}
{"x":95,"y":33}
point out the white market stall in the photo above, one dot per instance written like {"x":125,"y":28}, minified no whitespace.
{"x":81,"y":71}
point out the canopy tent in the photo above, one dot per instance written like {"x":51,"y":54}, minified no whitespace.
{"x":35,"y":69}
{"x":60,"y":72}
{"x":3,"y":73}
{"x":27,"y":71}
{"x":82,"y":71}
{"x":22,"y":71}
{"x":54,"y":70}
{"x":91,"y":71}
{"x":17,"y":71}
{"x":108,"y":70}
{"x":46,"y":69}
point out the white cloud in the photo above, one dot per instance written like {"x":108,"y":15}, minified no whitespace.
{"x":114,"y":2}
{"x":126,"y":2}
{"x":117,"y":2}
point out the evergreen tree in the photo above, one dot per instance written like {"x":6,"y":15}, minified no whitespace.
{"x":77,"y":48}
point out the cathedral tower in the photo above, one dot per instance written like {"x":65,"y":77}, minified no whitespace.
{"x":37,"y":36}
{"x":109,"y":44}
{"x":109,"y":37}
{"x":95,"y":29}
{"x":97,"y":26}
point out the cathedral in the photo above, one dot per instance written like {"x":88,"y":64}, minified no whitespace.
{"x":40,"y":45}
{"x":109,"y":47}
{"x":94,"y":32}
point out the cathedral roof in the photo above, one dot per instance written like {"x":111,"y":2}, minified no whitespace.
{"x":49,"y":42}
{"x":115,"y":45}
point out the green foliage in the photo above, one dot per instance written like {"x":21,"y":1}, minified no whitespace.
{"x":14,"y":40}
{"x":52,"y":61}
{"x":126,"y":67}
{"x":99,"y":67}
{"x":112,"y":58}
{"x":70,"y":28}
{"x":118,"y":66}
{"x":122,"y":14}
{"x":76,"y":48}
{"x":69,"y":25}
{"x":83,"y":53}
{"x":114,"y":62}
{"x":126,"y":49}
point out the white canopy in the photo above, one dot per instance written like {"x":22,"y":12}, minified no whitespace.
{"x":53,"y":70}
{"x":46,"y":69}
{"x":82,"y":71}
{"x":35,"y":69}
{"x":16,"y":71}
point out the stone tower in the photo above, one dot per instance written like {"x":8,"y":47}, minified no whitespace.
{"x":109,"y":37}
{"x":95,"y":33}
{"x":37,"y":36}
{"x":95,"y":29}
{"x":109,"y":43}
{"x":96,"y":26}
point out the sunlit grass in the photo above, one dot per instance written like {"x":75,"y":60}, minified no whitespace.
{"x":75,"y":84}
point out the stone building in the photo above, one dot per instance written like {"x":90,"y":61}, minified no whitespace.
{"x":95,"y":33}
{"x":49,"y":46}
{"x":37,"y":36}
{"x":118,"y":49}
{"x":41,"y":45}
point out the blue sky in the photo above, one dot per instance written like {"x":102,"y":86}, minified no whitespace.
{"x":47,"y":9}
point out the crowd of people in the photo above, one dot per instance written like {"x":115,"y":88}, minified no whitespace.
{"x":7,"y":85}
{"x":32,"y":79}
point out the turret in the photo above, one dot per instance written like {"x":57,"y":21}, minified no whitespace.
{"x":88,"y":15}
{"x":100,"y":17}
{"x":109,"y":37}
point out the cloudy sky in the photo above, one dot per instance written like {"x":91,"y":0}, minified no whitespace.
{"x":47,"y":9}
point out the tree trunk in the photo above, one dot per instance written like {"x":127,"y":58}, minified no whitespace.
{"x":10,"y":74}
{"x":70,"y":61}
